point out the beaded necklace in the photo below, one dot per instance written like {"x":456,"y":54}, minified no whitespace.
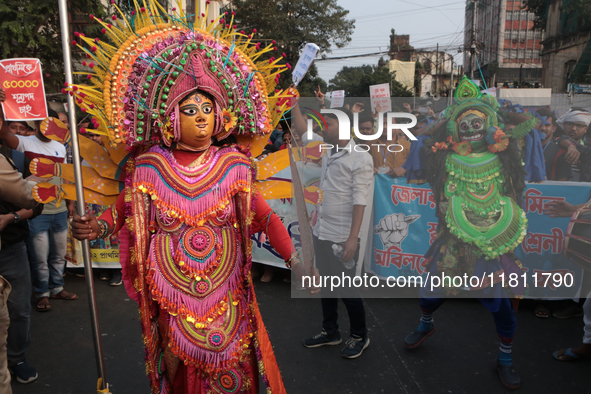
{"x":476,"y":184}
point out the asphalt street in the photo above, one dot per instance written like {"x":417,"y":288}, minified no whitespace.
{"x":457,"y":358}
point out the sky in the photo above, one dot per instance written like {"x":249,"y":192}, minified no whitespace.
{"x":428,"y":22}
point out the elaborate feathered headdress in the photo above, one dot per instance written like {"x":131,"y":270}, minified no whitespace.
{"x":155,"y":59}
{"x":469,"y":99}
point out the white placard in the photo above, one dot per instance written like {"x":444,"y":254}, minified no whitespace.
{"x":490,"y":92}
{"x":337,"y":99}
{"x":304,"y":62}
{"x":380,"y":94}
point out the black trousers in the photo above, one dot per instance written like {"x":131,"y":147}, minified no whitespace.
{"x":330,"y":265}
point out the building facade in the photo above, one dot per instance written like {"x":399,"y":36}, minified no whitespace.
{"x":566,"y":46}
{"x":437,"y":66}
{"x":507,"y":47}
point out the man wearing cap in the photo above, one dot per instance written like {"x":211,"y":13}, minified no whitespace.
{"x":575,"y":124}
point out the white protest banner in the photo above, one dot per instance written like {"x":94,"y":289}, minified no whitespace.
{"x":304,"y":62}
{"x":490,"y":92}
{"x":380,"y":95}
{"x":337,"y":99}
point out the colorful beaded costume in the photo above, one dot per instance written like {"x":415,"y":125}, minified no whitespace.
{"x":189,"y":216}
{"x":477,"y":191}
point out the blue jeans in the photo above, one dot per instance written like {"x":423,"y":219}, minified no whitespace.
{"x":47,"y":244}
{"x":14,"y":267}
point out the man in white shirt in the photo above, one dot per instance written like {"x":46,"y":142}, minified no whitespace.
{"x":48,"y":232}
{"x":346,"y":177}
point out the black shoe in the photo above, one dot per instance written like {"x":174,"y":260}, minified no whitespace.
{"x":116,"y":279}
{"x":24,"y":372}
{"x":573,"y":310}
{"x":508,"y":376}
{"x":323,"y":339}
{"x":417,"y":337}
{"x":104,"y":275}
{"x":354,"y":347}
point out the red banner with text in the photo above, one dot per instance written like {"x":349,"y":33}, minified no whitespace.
{"x":22,"y":81}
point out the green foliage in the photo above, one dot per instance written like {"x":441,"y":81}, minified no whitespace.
{"x":355,"y":81}
{"x":30,"y":28}
{"x":582,"y":7}
{"x":293,"y":23}
{"x":576,"y":16}
{"x":540,"y":9}
{"x":577,"y":12}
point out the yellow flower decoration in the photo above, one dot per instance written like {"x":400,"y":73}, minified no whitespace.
{"x":167,"y":130}
{"x":230,"y":120}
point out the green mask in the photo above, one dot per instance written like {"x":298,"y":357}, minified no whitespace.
{"x":472,"y":128}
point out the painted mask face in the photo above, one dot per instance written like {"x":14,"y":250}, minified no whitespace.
{"x":197,"y":120}
{"x":472,"y":128}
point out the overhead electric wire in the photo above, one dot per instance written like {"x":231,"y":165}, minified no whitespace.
{"x":403,"y":12}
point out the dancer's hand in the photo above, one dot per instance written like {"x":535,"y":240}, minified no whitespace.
{"x":85,"y":227}
{"x":316,"y":279}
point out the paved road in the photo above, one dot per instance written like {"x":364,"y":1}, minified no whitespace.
{"x":458,"y":358}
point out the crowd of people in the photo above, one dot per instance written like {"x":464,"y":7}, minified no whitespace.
{"x":555,"y":149}
{"x":34,"y":236}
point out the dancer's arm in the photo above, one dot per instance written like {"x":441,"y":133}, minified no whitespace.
{"x":271,"y":224}
{"x":280,"y":240}
{"x":110,"y":222}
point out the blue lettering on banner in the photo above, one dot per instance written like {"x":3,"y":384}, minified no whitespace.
{"x":405,"y":226}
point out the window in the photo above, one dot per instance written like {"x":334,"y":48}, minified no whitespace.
{"x":523,"y":15}
{"x":529,"y":53}
{"x":530,"y":34}
{"x":531,"y":16}
{"x":191,"y":10}
{"x":515,"y":34}
{"x":569,"y":67}
{"x":522,"y":34}
{"x":520,"y":54}
{"x":507,"y":34}
{"x":538,"y":34}
{"x":509,"y":16}
{"x":536,"y":53}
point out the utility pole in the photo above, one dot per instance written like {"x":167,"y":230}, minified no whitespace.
{"x":473,"y":46}
{"x":451,"y":84}
{"x":437,"y":70}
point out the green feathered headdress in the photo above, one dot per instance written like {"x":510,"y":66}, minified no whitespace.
{"x":468,"y":97}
